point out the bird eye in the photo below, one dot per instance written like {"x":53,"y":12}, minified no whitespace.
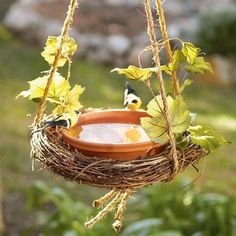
{"x":134,"y":101}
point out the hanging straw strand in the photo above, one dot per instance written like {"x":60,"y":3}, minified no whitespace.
{"x":63,"y":37}
{"x":156,"y":58}
{"x":108,"y":208}
{"x":165,"y":37}
{"x":117,"y":225}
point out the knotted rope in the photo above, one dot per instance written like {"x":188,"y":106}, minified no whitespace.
{"x":162,"y":23}
{"x":63,"y":37}
{"x":156,"y":59}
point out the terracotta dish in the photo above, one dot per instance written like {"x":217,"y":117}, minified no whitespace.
{"x":125,"y":151}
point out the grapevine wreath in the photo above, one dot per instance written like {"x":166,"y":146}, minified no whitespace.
{"x":167,"y":121}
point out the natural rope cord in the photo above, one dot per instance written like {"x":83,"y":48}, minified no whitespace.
{"x":156,"y":59}
{"x":63,"y":37}
{"x":162,"y":23}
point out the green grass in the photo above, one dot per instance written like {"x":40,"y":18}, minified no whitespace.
{"x":20,"y":63}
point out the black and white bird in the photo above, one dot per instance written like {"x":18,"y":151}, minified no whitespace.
{"x":131,"y":99}
{"x":65,"y":120}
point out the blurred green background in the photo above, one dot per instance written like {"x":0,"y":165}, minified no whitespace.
{"x":38,"y":203}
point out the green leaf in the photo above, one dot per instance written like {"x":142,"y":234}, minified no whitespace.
{"x":167,"y":69}
{"x":155,"y":106}
{"x":206,"y":137}
{"x":178,"y":59}
{"x":72,"y":102}
{"x":135,"y":73}
{"x":190,"y":51}
{"x":199,"y":66}
{"x":51,"y":49}
{"x":180,"y":115}
{"x":156,"y":125}
{"x":185,"y":84}
{"x":156,"y":129}
{"x":58,"y":89}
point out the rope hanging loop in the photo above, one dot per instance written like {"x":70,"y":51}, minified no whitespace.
{"x":63,"y":37}
{"x":156,"y":59}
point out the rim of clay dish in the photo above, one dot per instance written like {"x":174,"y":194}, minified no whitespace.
{"x":108,"y":116}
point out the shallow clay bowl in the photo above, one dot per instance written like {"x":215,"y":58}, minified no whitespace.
{"x":125,"y":151}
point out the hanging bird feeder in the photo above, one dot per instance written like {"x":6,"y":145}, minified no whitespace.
{"x":170,"y":142}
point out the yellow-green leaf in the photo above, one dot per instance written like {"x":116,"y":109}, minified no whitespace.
{"x":167,"y":69}
{"x":51,"y":49}
{"x":155,"y":106}
{"x":179,"y":59}
{"x":135,"y":73}
{"x":199,"y":66}
{"x":206,"y":137}
{"x":156,"y":126}
{"x":58,"y":89}
{"x":24,"y":94}
{"x":185,"y":84}
{"x":72,"y":102}
{"x":180,"y":115}
{"x":190,"y":51}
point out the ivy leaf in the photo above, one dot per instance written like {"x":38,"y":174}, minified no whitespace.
{"x":180,"y":115}
{"x":155,"y":106}
{"x":167,"y":69}
{"x":135,"y":73}
{"x":72,"y":102}
{"x":58,"y":89}
{"x":199,"y":66}
{"x":51,"y":49}
{"x":206,"y":137}
{"x":156,"y":126}
{"x":185,"y":84}
{"x":178,"y":59}
{"x":24,"y":94}
{"x":190,"y":52}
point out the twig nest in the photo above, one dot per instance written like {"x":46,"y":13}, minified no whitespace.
{"x":59,"y":157}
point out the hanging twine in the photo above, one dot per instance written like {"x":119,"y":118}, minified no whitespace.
{"x":156,"y":59}
{"x":63,"y":37}
{"x":162,"y":22}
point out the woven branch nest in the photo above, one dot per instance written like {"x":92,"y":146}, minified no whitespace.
{"x":60,"y":158}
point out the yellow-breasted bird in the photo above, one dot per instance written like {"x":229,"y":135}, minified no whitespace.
{"x":65,"y":120}
{"x":131,"y":99}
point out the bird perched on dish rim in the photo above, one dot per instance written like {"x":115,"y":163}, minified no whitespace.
{"x":131,"y":99}
{"x":66,"y":120}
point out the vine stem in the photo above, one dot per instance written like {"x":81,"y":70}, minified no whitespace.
{"x":63,"y":37}
{"x":156,"y":59}
{"x":165,"y":37}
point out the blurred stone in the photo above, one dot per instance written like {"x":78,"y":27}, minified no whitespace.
{"x":53,"y":28}
{"x":100,"y":56}
{"x":22,"y":19}
{"x":118,"y":44}
{"x":203,"y":5}
{"x":104,"y":36}
{"x":142,"y":40}
{"x":131,"y":3}
{"x":184,"y":28}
